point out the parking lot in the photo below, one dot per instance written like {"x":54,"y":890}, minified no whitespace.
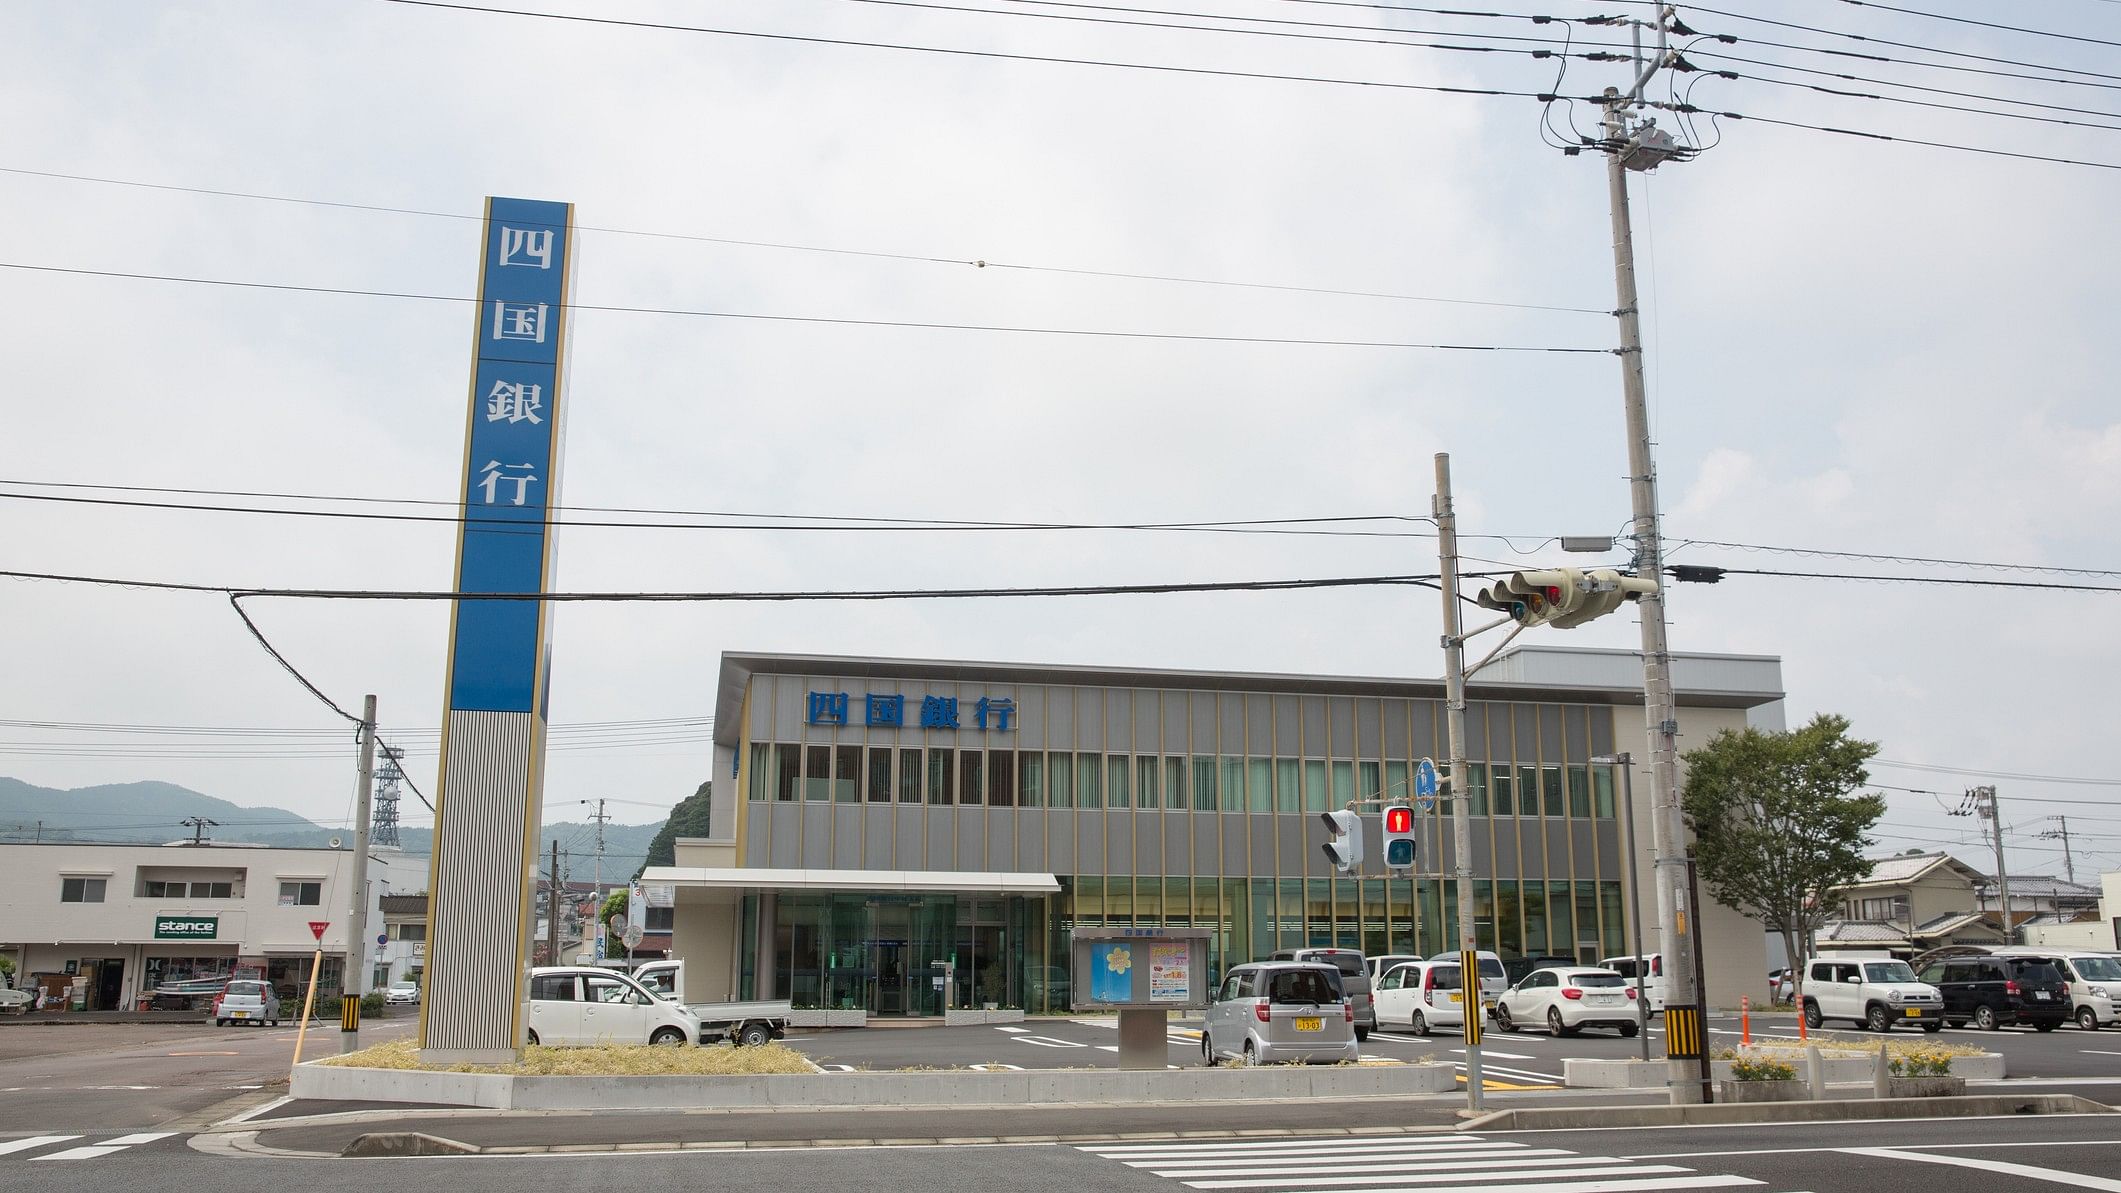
{"x":1512,"y":1059}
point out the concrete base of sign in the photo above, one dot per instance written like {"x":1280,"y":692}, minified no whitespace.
{"x":1144,"y":1039}
{"x":922,"y":1088}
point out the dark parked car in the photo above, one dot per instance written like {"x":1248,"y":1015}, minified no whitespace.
{"x":1354,"y":979}
{"x":1993,"y":991}
{"x":1516,"y":968}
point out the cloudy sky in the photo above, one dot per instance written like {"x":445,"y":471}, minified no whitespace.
{"x":1854,"y":345}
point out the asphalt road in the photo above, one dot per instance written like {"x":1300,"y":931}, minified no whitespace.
{"x":1997,"y":1155}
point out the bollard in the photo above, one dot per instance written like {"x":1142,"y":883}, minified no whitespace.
{"x":1802,"y":1034}
{"x":1881,"y":1075}
{"x":1815,"y":1068}
{"x":1745,"y":1020}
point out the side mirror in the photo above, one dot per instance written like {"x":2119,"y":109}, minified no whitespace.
{"x":1854,"y":979}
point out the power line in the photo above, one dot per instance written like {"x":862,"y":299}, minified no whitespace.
{"x":2002,"y":774}
{"x":1938,"y":16}
{"x":1689,"y":109}
{"x":1843,"y":75}
{"x":1903,"y":45}
{"x":821,"y":320}
{"x":1843,"y":93}
{"x":1877,"y":557}
{"x":1961,"y":581}
{"x":976,"y":263}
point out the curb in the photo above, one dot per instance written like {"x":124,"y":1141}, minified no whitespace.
{"x":1558,"y":1118}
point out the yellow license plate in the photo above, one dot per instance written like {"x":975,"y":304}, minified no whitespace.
{"x":1913,"y":1012}
{"x":1310,"y":1023}
{"x":242,"y":1014}
{"x":1458,"y":998}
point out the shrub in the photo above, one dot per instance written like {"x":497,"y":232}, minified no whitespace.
{"x":1753,"y":1068}
{"x":1921,"y":1064}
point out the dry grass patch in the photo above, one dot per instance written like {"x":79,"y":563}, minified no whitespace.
{"x":716,"y":1060}
{"x":1896,"y":1049}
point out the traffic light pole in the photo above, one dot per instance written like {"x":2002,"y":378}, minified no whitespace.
{"x":1667,"y":825}
{"x":1454,"y":678}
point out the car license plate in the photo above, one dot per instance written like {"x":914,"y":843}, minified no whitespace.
{"x":2041,"y":995}
{"x":1604,"y":1000}
{"x":1913,"y":1012}
{"x":242,"y":1014}
{"x":1457,"y":997}
{"x":1310,"y":1023}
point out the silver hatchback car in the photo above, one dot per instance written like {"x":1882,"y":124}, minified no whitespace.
{"x":1269,"y":1012}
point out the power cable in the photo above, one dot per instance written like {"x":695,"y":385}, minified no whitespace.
{"x":1962,"y":581}
{"x":1843,"y":75}
{"x":1690,"y":109}
{"x":1938,"y":16}
{"x":1938,"y":105}
{"x":1878,"y":557}
{"x":976,"y":263}
{"x":753,"y":316}
{"x":1903,"y":45}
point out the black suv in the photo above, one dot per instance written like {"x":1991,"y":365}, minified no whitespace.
{"x":1993,"y":991}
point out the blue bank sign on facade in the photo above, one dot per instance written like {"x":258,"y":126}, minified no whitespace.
{"x":888,"y":710}
{"x":511,"y":460}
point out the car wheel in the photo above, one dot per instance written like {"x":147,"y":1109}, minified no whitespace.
{"x":1812,"y":1018}
{"x":1421,"y":1024}
{"x":1985,"y":1018}
{"x":1932,"y":1028}
{"x":1207,"y":1050}
{"x":1251,"y":1054}
{"x":1502,"y":1017}
{"x":1555,"y":1025}
{"x":2045,"y":1026}
{"x":667,"y":1037}
{"x":220,"y":1023}
{"x":1627,"y":1031}
{"x":754,"y":1035}
{"x":1361,"y":1034}
{"x":533,"y":1039}
{"x":1877,"y":1020}
{"x":2087,"y":1019}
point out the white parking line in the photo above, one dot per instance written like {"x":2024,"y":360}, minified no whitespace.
{"x":106,"y":1147}
{"x":23,"y":1145}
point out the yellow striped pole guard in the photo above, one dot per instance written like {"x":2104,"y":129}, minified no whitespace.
{"x":1682,"y":1033}
{"x":1469,"y":994}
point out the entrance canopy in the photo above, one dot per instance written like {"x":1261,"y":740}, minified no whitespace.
{"x":892,"y":881}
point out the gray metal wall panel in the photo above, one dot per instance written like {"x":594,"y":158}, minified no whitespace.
{"x":1119,"y":719}
{"x":1089,"y":718}
{"x":1148,"y":845}
{"x":817,"y":836}
{"x":1060,"y":718}
{"x":1207,"y":841}
{"x":1288,"y":726}
{"x":1340,"y":721}
{"x":1230,"y":715}
{"x":1031,"y":703}
{"x":482,"y":863}
{"x":942,"y":840}
{"x":877,"y":821}
{"x":1602,"y":723}
{"x":1089,"y":841}
{"x":1060,"y":843}
{"x":1550,"y":733}
{"x":971,"y":840}
{"x":1478,"y":746}
{"x":1576,"y":735}
{"x":1313,"y":711}
{"x":1203,"y":725}
{"x":1555,"y":865}
{"x":1396,"y":742}
{"x":1259,"y":724}
{"x":1293,"y":844}
{"x":1259,"y":831}
{"x":1524,"y":720}
{"x":1001,"y":839}
{"x":761,"y":705}
{"x":846,"y":836}
{"x":1031,"y":842}
{"x":1484,"y":853}
{"x":758,"y":823}
{"x":1428,"y":734}
{"x":789,"y":694}
{"x":1120,"y":828}
{"x":1148,"y":722}
{"x":911,"y":852}
{"x":1178,"y":843}
{"x":1175,"y":723}
{"x":786,"y":835}
{"x":1369,"y":726}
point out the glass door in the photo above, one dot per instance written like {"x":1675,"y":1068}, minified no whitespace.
{"x":887,"y":960}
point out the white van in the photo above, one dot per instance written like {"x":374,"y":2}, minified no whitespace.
{"x":1650,"y":967}
{"x":2094,"y":982}
{"x":583,"y":1006}
{"x":1421,"y":995}
{"x":1493,"y":978}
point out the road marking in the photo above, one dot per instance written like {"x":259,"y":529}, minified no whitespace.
{"x":836,"y":1068}
{"x":998,"y":1067}
{"x":1047,"y":1042}
{"x":2059,"y":1176}
{"x":202,"y":1054}
{"x":1503,"y":1055}
{"x":91,"y":1151}
{"x":23,"y":1145}
{"x":1912,"y":1147}
{"x":1013,"y":1030}
{"x":2098,"y":1052}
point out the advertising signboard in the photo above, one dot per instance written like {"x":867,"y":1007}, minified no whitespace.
{"x":187,"y":927}
{"x":1141,"y":968}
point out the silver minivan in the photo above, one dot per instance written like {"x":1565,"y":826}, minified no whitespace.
{"x":1268,"y":1012}
{"x":2094,"y":982}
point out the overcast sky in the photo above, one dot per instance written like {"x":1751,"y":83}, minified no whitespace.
{"x":1854,"y":346}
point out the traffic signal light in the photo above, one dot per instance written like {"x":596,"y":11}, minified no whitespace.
{"x":1345,"y":846}
{"x":1563,"y":597}
{"x":1399,"y":838}
{"x":1533,"y":598}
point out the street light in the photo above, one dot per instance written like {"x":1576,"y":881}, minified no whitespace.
{"x":1625,"y":764}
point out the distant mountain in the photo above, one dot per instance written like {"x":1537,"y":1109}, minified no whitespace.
{"x":154,"y":812}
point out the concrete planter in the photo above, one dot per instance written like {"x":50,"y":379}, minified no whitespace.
{"x":1792,"y":1090}
{"x":824,"y":1018}
{"x":1925,"y":1087}
{"x":956,"y":1018}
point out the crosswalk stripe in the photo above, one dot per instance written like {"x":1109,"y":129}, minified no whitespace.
{"x":1484,"y":1155}
{"x":1545,"y":1177}
{"x":105,"y":1148}
{"x":1296,"y":1146}
{"x":1545,"y":1157}
{"x":23,"y":1145}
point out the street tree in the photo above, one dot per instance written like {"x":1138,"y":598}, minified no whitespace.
{"x":1779,"y":821}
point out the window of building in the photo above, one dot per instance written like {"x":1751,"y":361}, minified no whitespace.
{"x":1088,"y":788}
{"x":910,"y":781}
{"x":1119,"y":785}
{"x":1175,"y":783}
{"x":1579,"y":793}
{"x":81,"y":890}
{"x":847,"y":774}
{"x":210,"y":890}
{"x":817,"y":773}
{"x":301,"y":894}
{"x":1550,"y":789}
{"x":971,"y":777}
{"x":1148,"y":770}
{"x":880,"y":775}
{"x":1033,"y":766}
{"x":1477,"y":788}
{"x":418,"y":931}
{"x":1204,"y":792}
{"x":1001,"y":778}
{"x":939,"y":776}
{"x":788,"y":761}
{"x":661,"y":919}
{"x":1060,"y":779}
{"x":1502,"y":788}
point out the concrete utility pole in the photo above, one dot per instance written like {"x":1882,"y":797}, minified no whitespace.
{"x":598,"y":913}
{"x":2069,"y":864}
{"x":1454,"y":664}
{"x":197,"y":825}
{"x":1986,"y":809}
{"x":355,"y":982}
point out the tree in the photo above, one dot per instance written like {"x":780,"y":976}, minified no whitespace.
{"x":688,"y":819}
{"x":1777,"y":822}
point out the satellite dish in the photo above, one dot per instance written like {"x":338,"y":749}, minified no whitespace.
{"x":334,"y":842}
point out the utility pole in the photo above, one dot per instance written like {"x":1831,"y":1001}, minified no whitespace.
{"x":1985,"y":807}
{"x":355,"y":982}
{"x":1642,"y":147}
{"x":598,"y":913}
{"x":552,"y":910}
{"x":197,"y":824}
{"x":1454,"y":663}
{"x":2069,"y":864}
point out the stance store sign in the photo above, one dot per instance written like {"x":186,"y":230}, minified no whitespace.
{"x":187,"y":927}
